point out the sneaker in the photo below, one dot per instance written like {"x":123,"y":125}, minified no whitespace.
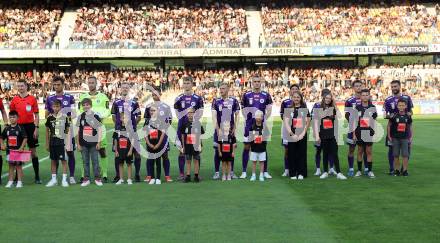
{"x":147,"y":178}
{"x":9,"y":184}
{"x":228,"y":178}
{"x":187,"y":179}
{"x":116,"y":179}
{"x":98,"y":182}
{"x":64,"y":183}
{"x":318,"y":172}
{"x":137,"y":178}
{"x":371,"y":174}
{"x":391,"y":172}
{"x":324,"y":175}
{"x":341,"y":176}
{"x":120,"y":182}
{"x":243,"y":175}
{"x":19,"y":184}
{"x":300,"y":177}
{"x":196,"y":179}
{"x":366,"y":171}
{"x":405,"y":173}
{"x":105,"y":179}
{"x":233,"y":175}
{"x":181,"y":177}
{"x":72,"y":180}
{"x":52,"y":182}
{"x":158,"y":182}
{"x":293,"y":178}
{"x":350,"y":173}
{"x":81,"y":180}
{"x":168,"y":179}
{"x":286,"y":173}
{"x":396,"y":173}
{"x":332,"y":171}
{"x":129,"y":182}
{"x":261,"y":177}
{"x":267,"y":175}
{"x":152,"y":181}
{"x":224,"y":178}
{"x":38,"y":181}
{"x":253,"y":178}
{"x":216,"y":176}
{"x":358,"y":174}
{"x":85,"y":183}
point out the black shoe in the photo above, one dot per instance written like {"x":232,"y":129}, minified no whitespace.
{"x":196,"y":179}
{"x":38,"y":181}
{"x":405,"y":173}
{"x":116,"y":179}
{"x":187,"y":179}
{"x":81,"y":180}
{"x":391,"y":173}
{"x":104,"y":180}
{"x":137,"y":178}
{"x":396,"y":173}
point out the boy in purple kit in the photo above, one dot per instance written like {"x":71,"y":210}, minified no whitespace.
{"x":128,"y":106}
{"x":181,"y":105}
{"x":390,"y":110}
{"x":68,"y":104}
{"x":253,"y":101}
{"x":224,"y":109}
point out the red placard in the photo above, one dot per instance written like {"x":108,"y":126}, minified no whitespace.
{"x":12,"y":140}
{"x":297,"y":123}
{"x":154,"y":134}
{"x":327,"y":123}
{"x":401,"y":127}
{"x":364,"y":122}
{"x":87,"y":131}
{"x":123,"y":143}
{"x":258,"y":139}
{"x":226,"y":148}
{"x":190,"y":139}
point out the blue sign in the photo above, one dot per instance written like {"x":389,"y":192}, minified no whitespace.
{"x":328,"y":50}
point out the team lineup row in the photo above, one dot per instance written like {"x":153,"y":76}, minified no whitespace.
{"x":91,"y":141}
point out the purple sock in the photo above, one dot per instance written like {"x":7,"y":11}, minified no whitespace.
{"x":137,"y":165}
{"x":318,"y":158}
{"x":350,"y":162}
{"x":245,"y":159}
{"x":391,"y":158}
{"x":286,"y":163}
{"x":216,"y":161}
{"x":71,"y":162}
{"x":181,"y":164}
{"x":166,"y":166}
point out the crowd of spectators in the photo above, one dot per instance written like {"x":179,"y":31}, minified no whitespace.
{"x":351,"y":22}
{"x":29,"y":24}
{"x":160,"y":24}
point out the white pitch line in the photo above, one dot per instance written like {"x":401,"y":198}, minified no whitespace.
{"x":43,"y":159}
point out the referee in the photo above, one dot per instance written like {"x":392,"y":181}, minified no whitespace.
{"x":27,"y":108}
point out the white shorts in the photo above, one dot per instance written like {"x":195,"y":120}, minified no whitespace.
{"x":258,"y":156}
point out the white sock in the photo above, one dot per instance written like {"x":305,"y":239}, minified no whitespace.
{"x":54,"y":176}
{"x":261,"y":173}
{"x":64,"y":177}
{"x":253,"y":174}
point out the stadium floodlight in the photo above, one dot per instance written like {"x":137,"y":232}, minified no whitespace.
{"x":64,"y":65}
{"x":261,"y":63}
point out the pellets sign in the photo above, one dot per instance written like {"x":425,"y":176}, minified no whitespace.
{"x":365,"y":50}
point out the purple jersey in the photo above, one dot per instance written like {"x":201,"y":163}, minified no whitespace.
{"x":225,"y":109}
{"x":285,"y":104}
{"x":183,"y":102}
{"x":350,"y":105}
{"x":258,"y":101}
{"x":67,"y":100}
{"x":390,"y":105}
{"x":165,"y":115}
{"x":122,"y":105}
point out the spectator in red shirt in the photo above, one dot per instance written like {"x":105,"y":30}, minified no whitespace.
{"x":27,"y":108}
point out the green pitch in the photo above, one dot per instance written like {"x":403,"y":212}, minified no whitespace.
{"x":385,"y":209}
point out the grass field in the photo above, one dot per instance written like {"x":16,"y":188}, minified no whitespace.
{"x":385,"y":209}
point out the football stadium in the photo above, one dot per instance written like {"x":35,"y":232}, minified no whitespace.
{"x":219,"y":121}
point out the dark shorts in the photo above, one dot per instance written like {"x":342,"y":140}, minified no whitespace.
{"x":57,"y":152}
{"x":195,"y":156}
{"x":29,"y":129}
{"x":125,"y":159}
{"x":350,"y":142}
{"x":360,"y":142}
{"x":226,"y":157}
